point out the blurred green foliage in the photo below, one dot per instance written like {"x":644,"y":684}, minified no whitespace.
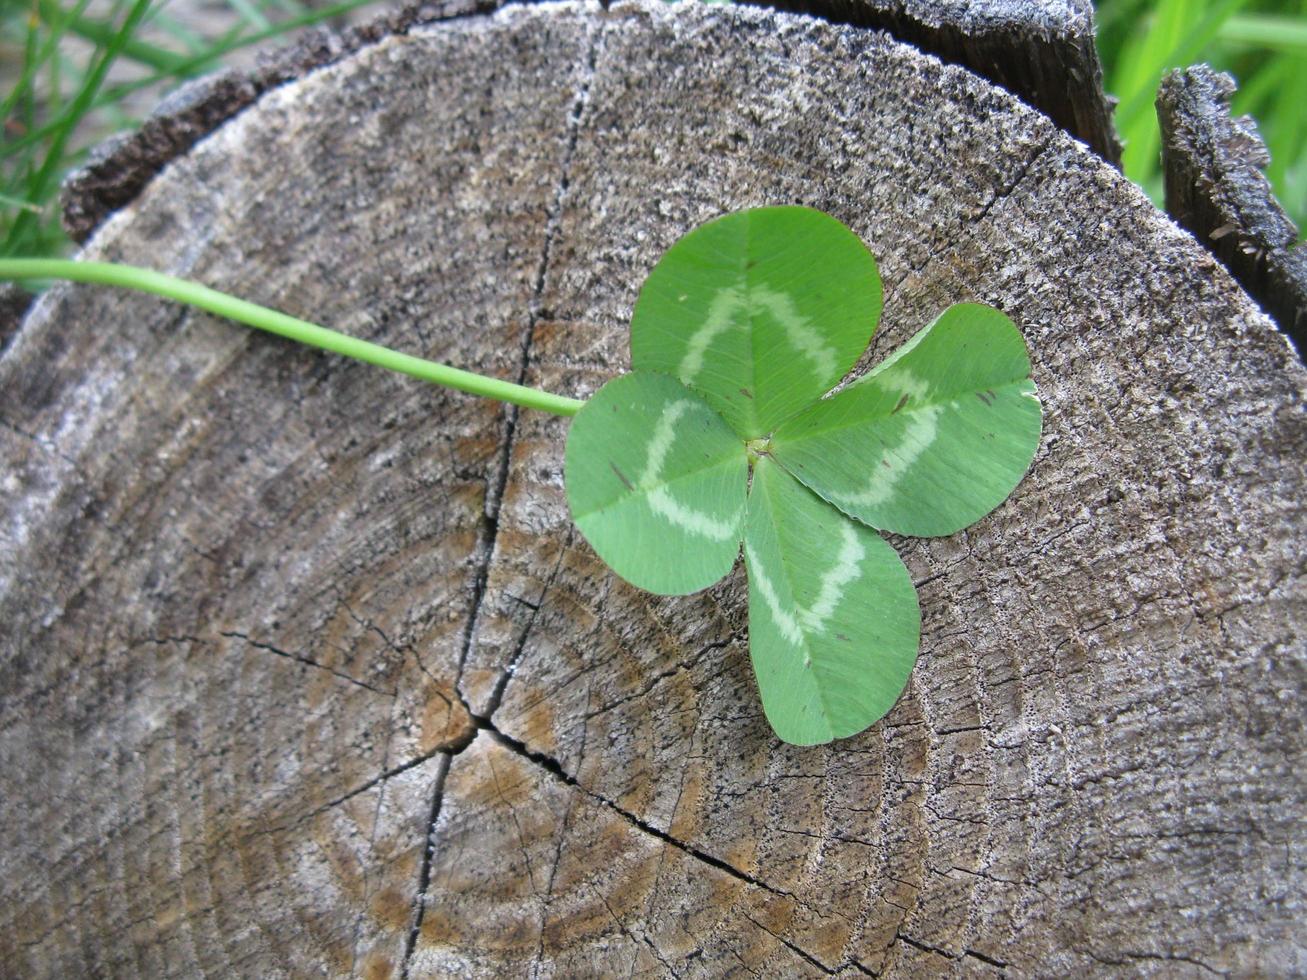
{"x":73,"y":71}
{"x":1262,"y":43}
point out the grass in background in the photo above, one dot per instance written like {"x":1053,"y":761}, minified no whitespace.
{"x":78,"y":70}
{"x":1262,"y":43}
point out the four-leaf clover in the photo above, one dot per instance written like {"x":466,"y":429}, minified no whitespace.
{"x":720,"y":435}
{"x":726,"y":432}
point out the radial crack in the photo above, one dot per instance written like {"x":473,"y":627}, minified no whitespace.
{"x":554,"y":768}
{"x":306,"y":661}
{"x":688,"y":664}
{"x":506,"y":675}
{"x":793,"y":947}
{"x":1000,"y":194}
{"x":498,"y":481}
{"x":424,"y":874}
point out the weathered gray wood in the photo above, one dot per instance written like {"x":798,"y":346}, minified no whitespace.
{"x":1215,"y":187}
{"x":120,"y":167}
{"x":1041,"y":50}
{"x":1044,"y":52}
{"x":270,"y":618}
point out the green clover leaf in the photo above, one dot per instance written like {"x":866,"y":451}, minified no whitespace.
{"x":934,"y":438}
{"x":760,"y":311}
{"x":656,"y":483}
{"x":739,"y":331}
{"x":833,"y":616}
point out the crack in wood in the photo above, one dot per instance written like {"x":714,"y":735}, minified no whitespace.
{"x":555,"y":768}
{"x":1003,"y":193}
{"x":558,"y":857}
{"x":900,"y":937}
{"x":506,"y":674}
{"x":424,"y":874}
{"x":39,"y":443}
{"x":687,"y":664}
{"x":793,"y":947}
{"x":1129,"y":955}
{"x":301,"y":659}
{"x":975,"y":954}
{"x":368,"y":866}
{"x":1000,"y":194}
{"x":489,"y":531}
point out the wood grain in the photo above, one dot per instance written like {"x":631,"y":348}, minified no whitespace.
{"x":1042,"y":51}
{"x":274,"y":622}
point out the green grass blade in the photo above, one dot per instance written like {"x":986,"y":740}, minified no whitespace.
{"x":251,"y":14}
{"x":1274,"y":32}
{"x":19,"y":203}
{"x":191,"y":66}
{"x":103,"y":34}
{"x":38,"y":186}
{"x":1172,"y":40}
{"x":193,"y":42}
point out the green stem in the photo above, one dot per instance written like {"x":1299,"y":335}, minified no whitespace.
{"x":262,"y":318}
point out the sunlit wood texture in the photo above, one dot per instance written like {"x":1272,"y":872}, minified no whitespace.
{"x":1043,"y":51}
{"x":252,"y":595}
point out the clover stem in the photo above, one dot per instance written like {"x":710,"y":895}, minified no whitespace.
{"x":262,"y":318}
{"x":757,"y":448}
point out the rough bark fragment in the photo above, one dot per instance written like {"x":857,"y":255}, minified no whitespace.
{"x":1212,"y":165}
{"x":1041,"y":51}
{"x":14,"y":302}
{"x":1097,"y":761}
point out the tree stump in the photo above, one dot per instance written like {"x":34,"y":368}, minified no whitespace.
{"x":305,"y":670}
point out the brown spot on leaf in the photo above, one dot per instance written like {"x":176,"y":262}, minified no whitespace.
{"x":902,"y":401}
{"x":746,"y":393}
{"x":622,"y":476}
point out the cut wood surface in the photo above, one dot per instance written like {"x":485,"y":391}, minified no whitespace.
{"x":305,"y":671}
{"x":1040,"y":50}
{"x":119,"y":168}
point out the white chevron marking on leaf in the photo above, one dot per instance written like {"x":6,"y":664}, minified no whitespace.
{"x":806,"y":340}
{"x":689,"y":519}
{"x":918,"y":434}
{"x":660,"y":499}
{"x":798,"y":328}
{"x":720,"y":312}
{"x":786,"y":623}
{"x":814,"y":618}
{"x":844,"y":571}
